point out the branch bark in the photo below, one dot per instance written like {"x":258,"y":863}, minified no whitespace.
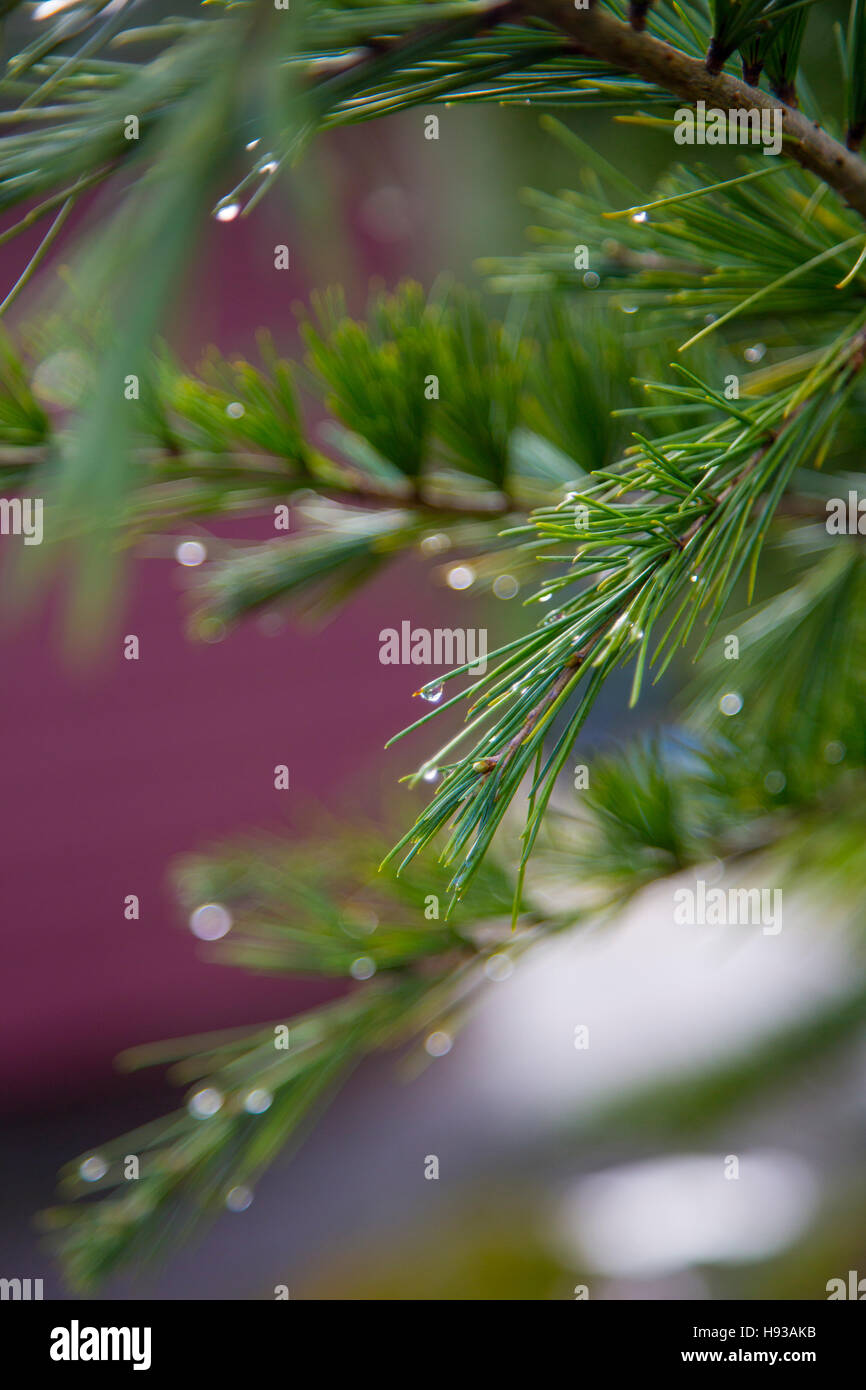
{"x":600,"y":35}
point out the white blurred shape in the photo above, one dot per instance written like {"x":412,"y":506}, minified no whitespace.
{"x":210,"y":922}
{"x":461,"y":577}
{"x":61,"y":378}
{"x":93,"y":1168}
{"x":190,"y":553}
{"x":205,"y":1103}
{"x":661,"y":1216}
{"x":52,"y":7}
{"x":48,"y":8}
{"x":660,"y":1000}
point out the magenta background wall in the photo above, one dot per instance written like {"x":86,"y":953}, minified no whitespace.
{"x":111,"y":773}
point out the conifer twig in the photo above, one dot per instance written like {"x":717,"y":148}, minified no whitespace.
{"x":600,"y":35}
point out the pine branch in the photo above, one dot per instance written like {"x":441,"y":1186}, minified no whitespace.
{"x":493,"y":441}
{"x":703,"y":250}
{"x":658,"y":557}
{"x":460,"y":51}
{"x":598,"y":34}
{"x":648,"y":540}
{"x":317,"y":907}
{"x":653,"y":811}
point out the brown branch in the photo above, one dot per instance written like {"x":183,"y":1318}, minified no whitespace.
{"x":267,"y":472}
{"x":598,"y":34}
{"x":538,"y":710}
{"x":771,"y":436}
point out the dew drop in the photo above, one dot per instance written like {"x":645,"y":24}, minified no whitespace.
{"x":432,"y":693}
{"x":210,"y":922}
{"x":239,"y":1198}
{"x":505,"y":586}
{"x":235,"y":410}
{"x":61,"y":378}
{"x":93,"y":1168}
{"x":433,"y":544}
{"x":499,"y":967}
{"x":271,"y":623}
{"x":461,"y":577}
{"x":226,"y":212}
{"x":257,"y":1101}
{"x":205,"y":1103}
{"x":190,"y":553}
{"x":438,"y":1044}
{"x":731,"y":703}
{"x":362,"y":968}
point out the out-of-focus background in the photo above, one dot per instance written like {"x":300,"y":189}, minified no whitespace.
{"x":112,"y":769}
